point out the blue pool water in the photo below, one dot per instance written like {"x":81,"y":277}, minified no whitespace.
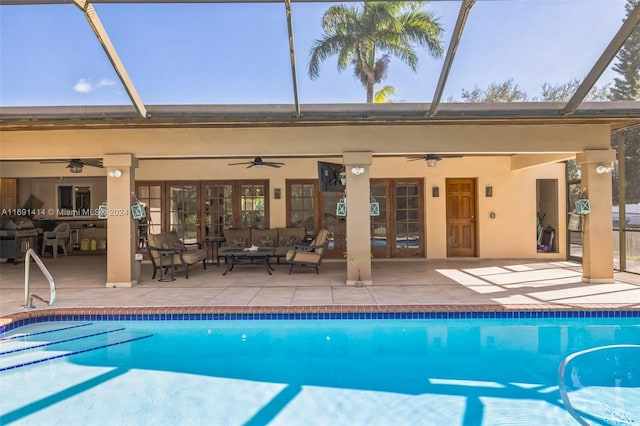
{"x":313,"y":372}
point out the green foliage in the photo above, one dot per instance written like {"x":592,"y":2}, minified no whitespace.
{"x":506,"y":91}
{"x":384,"y":95}
{"x":367,"y":36}
{"x":627,"y":87}
{"x":562,"y":92}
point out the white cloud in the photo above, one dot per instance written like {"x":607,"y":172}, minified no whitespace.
{"x":85,"y":86}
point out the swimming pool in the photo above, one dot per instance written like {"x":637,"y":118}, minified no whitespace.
{"x":438,"y":371}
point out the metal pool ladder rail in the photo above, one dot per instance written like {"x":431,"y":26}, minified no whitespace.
{"x":28,"y":298}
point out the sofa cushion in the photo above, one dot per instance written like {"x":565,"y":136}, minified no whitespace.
{"x":237,"y":238}
{"x":264,"y":237}
{"x":288,"y":237}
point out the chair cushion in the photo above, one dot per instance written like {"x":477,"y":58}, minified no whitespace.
{"x":303,"y":256}
{"x":166,"y":241}
{"x":194,"y":256}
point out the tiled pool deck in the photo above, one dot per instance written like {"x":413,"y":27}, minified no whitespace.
{"x":401,"y":287}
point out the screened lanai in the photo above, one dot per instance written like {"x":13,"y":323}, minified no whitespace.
{"x":530,"y":82}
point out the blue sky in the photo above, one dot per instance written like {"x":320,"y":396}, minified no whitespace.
{"x":238,"y":53}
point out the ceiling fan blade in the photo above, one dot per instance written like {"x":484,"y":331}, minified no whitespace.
{"x":416,"y":158}
{"x":238,"y":164}
{"x":92,"y":163}
{"x":250,"y":165}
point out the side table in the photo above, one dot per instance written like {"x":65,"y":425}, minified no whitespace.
{"x":213,"y":244}
{"x":163,"y":255}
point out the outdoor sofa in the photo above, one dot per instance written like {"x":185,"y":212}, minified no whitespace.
{"x":280,"y":239}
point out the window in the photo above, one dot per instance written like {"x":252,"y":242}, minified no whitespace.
{"x":74,"y":200}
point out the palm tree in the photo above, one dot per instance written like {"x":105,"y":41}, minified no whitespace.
{"x":383,"y":96}
{"x":367,"y":36}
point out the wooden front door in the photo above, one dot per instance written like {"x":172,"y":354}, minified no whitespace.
{"x":461,"y":217}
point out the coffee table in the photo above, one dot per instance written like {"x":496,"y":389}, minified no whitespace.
{"x":240,"y":257}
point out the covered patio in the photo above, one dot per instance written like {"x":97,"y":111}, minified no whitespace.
{"x":443,"y":285}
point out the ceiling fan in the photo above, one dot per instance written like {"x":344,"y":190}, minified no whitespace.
{"x":75,"y":165}
{"x":432,"y":159}
{"x":258,"y":162}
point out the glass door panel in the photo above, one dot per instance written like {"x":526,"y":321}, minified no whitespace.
{"x":408,"y":220}
{"x":336,"y":225}
{"x":150,"y":196}
{"x":252,"y":206}
{"x":302,"y":206}
{"x":218,"y":211}
{"x":183,"y":212}
{"x":379,"y":224}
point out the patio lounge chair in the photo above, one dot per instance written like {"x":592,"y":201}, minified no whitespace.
{"x":174,"y":253}
{"x":309,"y":255}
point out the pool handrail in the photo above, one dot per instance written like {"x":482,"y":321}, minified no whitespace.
{"x":28,"y":298}
{"x":561,"y":385}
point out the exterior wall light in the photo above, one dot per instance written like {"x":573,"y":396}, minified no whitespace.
{"x":115,"y":173}
{"x":603,"y":169}
{"x":357,"y":171}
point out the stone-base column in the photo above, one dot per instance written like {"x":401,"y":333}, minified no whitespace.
{"x":358,"y":220}
{"x":597,"y":241}
{"x":121,"y":228}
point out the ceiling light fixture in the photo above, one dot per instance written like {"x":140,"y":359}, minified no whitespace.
{"x":75,"y":167}
{"x":432,"y":162}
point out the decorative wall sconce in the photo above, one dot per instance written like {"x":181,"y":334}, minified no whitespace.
{"x":102,"y":210}
{"x":343,"y":178}
{"x":341,"y":207}
{"x":435,"y":192}
{"x":277,"y":193}
{"x":488,"y":191}
{"x":374,"y":207}
{"x":583,"y":206}
{"x":357,"y":171}
{"x":138,"y":211}
{"x":115,"y":173}
{"x":600,"y":169}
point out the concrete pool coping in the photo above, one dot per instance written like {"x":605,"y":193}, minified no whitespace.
{"x":461,"y":285}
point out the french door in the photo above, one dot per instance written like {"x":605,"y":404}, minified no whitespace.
{"x":399,"y":228}
{"x":201,"y":209}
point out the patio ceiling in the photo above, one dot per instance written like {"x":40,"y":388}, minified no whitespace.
{"x":140,"y":114}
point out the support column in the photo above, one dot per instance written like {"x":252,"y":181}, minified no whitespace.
{"x":597,"y":241}
{"x":358,"y":221}
{"x":121,"y":228}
